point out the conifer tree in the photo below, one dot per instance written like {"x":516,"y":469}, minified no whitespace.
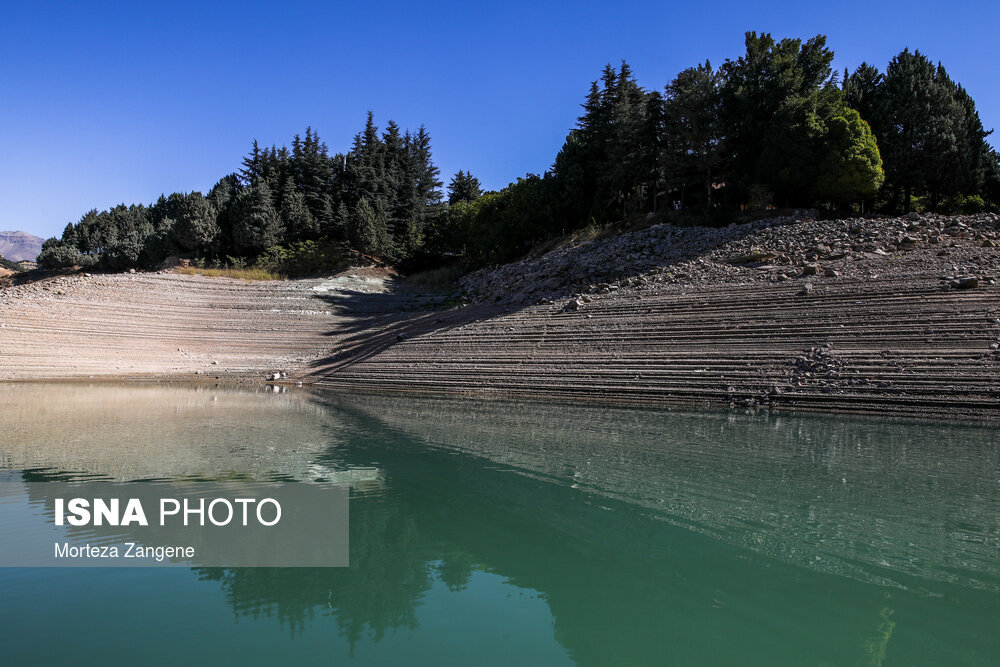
{"x":370,"y":235}
{"x":927,"y":126}
{"x":259,"y":225}
{"x":851,"y":170}
{"x":692,"y":128}
{"x":771,"y":99}
{"x":463,"y":187}
{"x":195,"y":226}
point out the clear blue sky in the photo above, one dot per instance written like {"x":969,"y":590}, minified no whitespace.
{"x":108,"y":103}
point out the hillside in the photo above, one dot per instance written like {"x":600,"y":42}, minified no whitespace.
{"x":15,"y":246}
{"x":886,"y":315}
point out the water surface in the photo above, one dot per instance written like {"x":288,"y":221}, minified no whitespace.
{"x":527,"y":533}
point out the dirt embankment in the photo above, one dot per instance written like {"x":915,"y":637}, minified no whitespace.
{"x":894,"y":316}
{"x":156,"y":324}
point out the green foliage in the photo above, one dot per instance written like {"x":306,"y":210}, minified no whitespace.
{"x":991,"y":181}
{"x":259,"y":226}
{"x":9,"y":265}
{"x":369,"y":236}
{"x":464,"y":187}
{"x":769,"y":128}
{"x":195,"y":226}
{"x":608,"y":167}
{"x":499,"y":225}
{"x":773,"y":99}
{"x":927,"y":127}
{"x":306,"y":258}
{"x":851,"y":171}
{"x":59,"y":256}
{"x":692,"y":129}
{"x":973,"y":204}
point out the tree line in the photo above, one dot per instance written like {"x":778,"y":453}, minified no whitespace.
{"x":774,"y":128}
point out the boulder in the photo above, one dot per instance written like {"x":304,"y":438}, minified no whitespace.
{"x":968,"y":282}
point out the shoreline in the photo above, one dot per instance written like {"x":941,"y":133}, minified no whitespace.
{"x":701,"y":317}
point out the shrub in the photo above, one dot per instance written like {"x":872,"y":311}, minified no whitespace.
{"x":63,"y":257}
{"x":307,"y":258}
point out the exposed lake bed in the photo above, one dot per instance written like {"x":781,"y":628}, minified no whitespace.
{"x":900,"y":318}
{"x":532,"y":532}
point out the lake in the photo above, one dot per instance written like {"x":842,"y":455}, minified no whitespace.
{"x":504,"y":532}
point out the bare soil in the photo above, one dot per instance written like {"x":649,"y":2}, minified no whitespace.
{"x":891,"y":333}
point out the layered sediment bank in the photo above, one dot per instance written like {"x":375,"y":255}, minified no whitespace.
{"x":889,"y":316}
{"x":139,"y":325}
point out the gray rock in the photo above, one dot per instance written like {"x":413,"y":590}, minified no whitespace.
{"x":806,"y":289}
{"x":968,"y":282}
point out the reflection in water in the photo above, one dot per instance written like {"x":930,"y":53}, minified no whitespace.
{"x":647,"y":536}
{"x":161,"y":431}
{"x":861,"y":498}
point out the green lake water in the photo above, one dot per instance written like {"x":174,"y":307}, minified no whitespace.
{"x":518,"y":533}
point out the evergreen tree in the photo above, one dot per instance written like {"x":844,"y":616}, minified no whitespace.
{"x":195,"y":226}
{"x":222,"y":198}
{"x":607,"y":167}
{"x":927,"y":126}
{"x":370,"y":236}
{"x":861,"y":91}
{"x":296,"y":217}
{"x":692,"y":132}
{"x":463,"y":187}
{"x":852,"y":170}
{"x":771,"y":109}
{"x":259,"y":225}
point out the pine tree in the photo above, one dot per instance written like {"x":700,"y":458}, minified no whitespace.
{"x":296,"y":217}
{"x":259,"y":225}
{"x":861,"y":93}
{"x":693,"y":132}
{"x":251,"y":164}
{"x":771,"y":109}
{"x":608,"y":164}
{"x":195,"y":225}
{"x":463,"y":187}
{"x":369,"y":229}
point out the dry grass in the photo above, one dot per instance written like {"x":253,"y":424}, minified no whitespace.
{"x":241,"y":274}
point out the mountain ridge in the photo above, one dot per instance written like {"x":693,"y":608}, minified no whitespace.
{"x":17,"y":245}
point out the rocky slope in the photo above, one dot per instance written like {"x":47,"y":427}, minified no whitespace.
{"x":771,"y":250}
{"x":16,"y":246}
{"x":890,"y":316}
{"x":895,"y":316}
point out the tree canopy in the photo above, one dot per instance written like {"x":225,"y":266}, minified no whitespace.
{"x":774,"y":126}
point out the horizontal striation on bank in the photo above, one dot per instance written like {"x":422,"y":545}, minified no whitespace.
{"x":885,"y":345}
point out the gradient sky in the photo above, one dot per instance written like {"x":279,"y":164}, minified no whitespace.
{"x":108,"y":103}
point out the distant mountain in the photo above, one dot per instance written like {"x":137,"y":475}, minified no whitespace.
{"x":16,"y":246}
